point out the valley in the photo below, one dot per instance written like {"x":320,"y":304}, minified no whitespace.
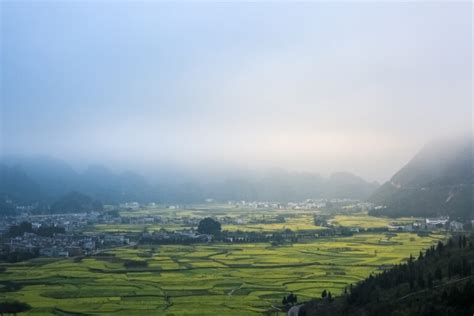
{"x":215,"y":278}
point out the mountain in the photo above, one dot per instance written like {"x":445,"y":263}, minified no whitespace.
{"x":16,"y":186}
{"x":56,"y":178}
{"x":46,"y":179}
{"x":350,"y":185}
{"x":110,"y":187}
{"x":276,"y":186}
{"x":75,"y":202}
{"x":439,"y":180}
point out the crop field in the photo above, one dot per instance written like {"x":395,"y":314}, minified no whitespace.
{"x":258,"y":220}
{"x":261,"y":220}
{"x":362,"y":220}
{"x":203,"y":279}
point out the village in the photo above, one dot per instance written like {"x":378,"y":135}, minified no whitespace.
{"x":70,"y":235}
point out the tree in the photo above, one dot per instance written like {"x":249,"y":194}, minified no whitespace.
{"x":209,"y":226}
{"x":438,"y":274}
{"x":329,"y":296}
{"x":450,"y":242}
{"x":290,"y":299}
{"x":324,"y":294}
{"x":49,"y":231}
{"x":430,"y":280}
{"x":440,"y":247}
{"x":420,"y":281}
{"x":135,"y":264}
{"x":411,"y":280}
{"x":19,"y":230}
{"x":465,"y":266}
{"x":13,"y":307}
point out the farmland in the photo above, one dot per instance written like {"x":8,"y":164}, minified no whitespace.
{"x":254,"y":220}
{"x":204,"y":279}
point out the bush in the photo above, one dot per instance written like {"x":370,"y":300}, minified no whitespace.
{"x":13,"y":307}
{"x":135,"y":264}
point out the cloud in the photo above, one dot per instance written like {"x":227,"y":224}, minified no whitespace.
{"x":317,"y":87}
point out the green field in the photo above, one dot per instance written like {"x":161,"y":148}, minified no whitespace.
{"x":258,"y":220}
{"x":205,"y":279}
{"x":362,"y":220}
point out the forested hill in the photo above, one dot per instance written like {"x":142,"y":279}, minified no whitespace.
{"x":439,"y":281}
{"x":439,"y":180}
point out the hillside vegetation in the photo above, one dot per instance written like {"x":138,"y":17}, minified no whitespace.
{"x":439,"y":282}
{"x":439,"y":180}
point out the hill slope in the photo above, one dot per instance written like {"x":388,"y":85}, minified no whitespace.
{"x":439,"y":180}
{"x":56,"y":178}
{"x":16,"y":186}
{"x":75,"y":202}
{"x":439,"y":282}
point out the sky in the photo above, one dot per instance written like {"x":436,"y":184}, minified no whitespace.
{"x":319,"y":87}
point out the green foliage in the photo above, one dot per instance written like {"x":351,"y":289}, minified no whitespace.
{"x":410,"y":288}
{"x":49,"y":231}
{"x":13,"y":307}
{"x":290,"y":299}
{"x":19,"y":230}
{"x":135,"y":264}
{"x":209,"y":226}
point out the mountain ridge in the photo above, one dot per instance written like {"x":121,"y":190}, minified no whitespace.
{"x":438,"y":180}
{"x":56,"y":178}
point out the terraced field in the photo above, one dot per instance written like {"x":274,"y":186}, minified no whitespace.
{"x":205,"y":279}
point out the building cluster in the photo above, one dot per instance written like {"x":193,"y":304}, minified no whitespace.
{"x":62,"y":245}
{"x":428,"y":224}
{"x":256,"y":204}
{"x":307,"y":204}
{"x":70,"y":222}
{"x":142,"y":220}
{"x":67,"y":244}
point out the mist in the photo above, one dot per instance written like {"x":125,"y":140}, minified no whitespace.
{"x":214,"y":87}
